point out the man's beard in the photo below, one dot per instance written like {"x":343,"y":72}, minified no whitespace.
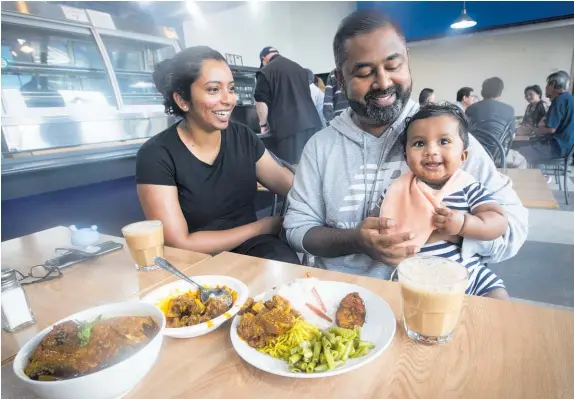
{"x":381,"y":116}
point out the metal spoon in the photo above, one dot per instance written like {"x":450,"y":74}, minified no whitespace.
{"x":218,"y":294}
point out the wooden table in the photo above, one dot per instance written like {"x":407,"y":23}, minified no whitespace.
{"x":108,"y":278}
{"x":531,"y":187}
{"x":500,"y":350}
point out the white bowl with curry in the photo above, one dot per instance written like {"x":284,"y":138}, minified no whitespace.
{"x":99,"y":353}
{"x":188,"y":317}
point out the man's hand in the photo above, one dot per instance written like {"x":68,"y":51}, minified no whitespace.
{"x":448,"y":221}
{"x":376,"y":241}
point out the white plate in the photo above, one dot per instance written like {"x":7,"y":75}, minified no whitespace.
{"x":379,"y":328}
{"x":200,"y":329}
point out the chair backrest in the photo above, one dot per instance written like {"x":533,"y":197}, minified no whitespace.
{"x":492,"y":146}
{"x":287,"y":165}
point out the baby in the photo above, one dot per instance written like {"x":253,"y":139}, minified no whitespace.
{"x":440,"y":203}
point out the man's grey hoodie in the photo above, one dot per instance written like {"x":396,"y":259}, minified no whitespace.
{"x":344,"y":170}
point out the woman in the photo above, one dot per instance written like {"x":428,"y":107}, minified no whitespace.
{"x":199,"y":176}
{"x":536,"y":109}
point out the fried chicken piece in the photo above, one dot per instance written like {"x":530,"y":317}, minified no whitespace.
{"x":351,"y":311}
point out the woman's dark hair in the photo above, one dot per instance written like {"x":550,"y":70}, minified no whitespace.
{"x":463,"y":92}
{"x":442,"y":109}
{"x":534,"y":88}
{"x":358,"y":23}
{"x":425,"y":95}
{"x":177,"y":74}
{"x":492,"y":88}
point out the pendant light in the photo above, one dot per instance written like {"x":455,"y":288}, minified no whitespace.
{"x":464,"y":21}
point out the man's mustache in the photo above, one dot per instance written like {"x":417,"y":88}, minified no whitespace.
{"x":381,"y":93}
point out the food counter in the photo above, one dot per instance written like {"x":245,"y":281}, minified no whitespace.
{"x":78,"y":100}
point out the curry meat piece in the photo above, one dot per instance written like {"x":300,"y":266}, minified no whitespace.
{"x":185,"y":305}
{"x":351,"y":311}
{"x":60,"y":355}
{"x":275,"y":318}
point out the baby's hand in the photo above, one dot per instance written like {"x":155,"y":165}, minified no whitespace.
{"x":448,"y":221}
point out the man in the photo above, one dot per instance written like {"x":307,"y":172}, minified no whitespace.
{"x":333,"y":209}
{"x":492,"y":117}
{"x":317,"y":95}
{"x":465,"y":97}
{"x":335,"y":100}
{"x":557,"y":136}
{"x":284,"y":104}
{"x":427,"y":97}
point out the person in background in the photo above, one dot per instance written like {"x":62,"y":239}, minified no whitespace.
{"x":317,"y":95}
{"x":284,"y":104}
{"x":535,"y":110}
{"x":492,"y":115}
{"x":199,"y":176}
{"x":557,"y":134}
{"x":335,"y":100}
{"x":320,"y":84}
{"x":465,"y":97}
{"x":427,"y":97}
{"x":346,"y":167}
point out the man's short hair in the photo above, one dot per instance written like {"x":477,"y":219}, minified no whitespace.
{"x":559,"y":80}
{"x":425,"y":95}
{"x":441,"y":109}
{"x":492,"y":88}
{"x":463,"y":92}
{"x":358,"y":23}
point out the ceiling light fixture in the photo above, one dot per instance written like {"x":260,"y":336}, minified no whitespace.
{"x":464,"y":21}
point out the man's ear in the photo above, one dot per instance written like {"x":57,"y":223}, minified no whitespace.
{"x":464,"y":155}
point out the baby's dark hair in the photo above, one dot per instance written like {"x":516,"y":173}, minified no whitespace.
{"x":441,"y":109}
{"x":177,"y":74}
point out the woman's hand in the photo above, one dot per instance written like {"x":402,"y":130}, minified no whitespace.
{"x":270,"y":225}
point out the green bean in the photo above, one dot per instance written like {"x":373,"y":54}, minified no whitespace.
{"x":310,"y":367}
{"x":307,"y":353}
{"x":346,"y":351}
{"x":321,"y":367}
{"x":336,"y":354}
{"x":316,"y":351}
{"x":294,"y":370}
{"x":295,"y":350}
{"x":360,"y":352}
{"x":330,"y":337}
{"x":343,"y":332}
{"x":326,"y":343}
{"x":302,"y":365}
{"x":294,"y":358}
{"x":329,"y":359}
{"x":366,"y":344}
{"x":322,"y":359}
{"x":353,"y":350}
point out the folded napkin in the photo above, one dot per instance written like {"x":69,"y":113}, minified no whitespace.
{"x":411,"y":204}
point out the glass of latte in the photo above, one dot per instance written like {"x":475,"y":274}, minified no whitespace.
{"x":144,"y":241}
{"x":432,"y":290}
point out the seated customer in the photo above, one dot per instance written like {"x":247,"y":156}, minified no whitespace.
{"x":199,"y":176}
{"x":491,"y":116}
{"x":465,"y":97}
{"x":441,"y":203}
{"x":427,"y":97}
{"x":536,"y":109}
{"x":557,"y":136}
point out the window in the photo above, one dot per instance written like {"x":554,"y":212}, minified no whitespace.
{"x":134,"y":62}
{"x":46,"y":68}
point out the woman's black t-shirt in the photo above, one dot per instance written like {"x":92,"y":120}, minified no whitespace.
{"x":212,"y":197}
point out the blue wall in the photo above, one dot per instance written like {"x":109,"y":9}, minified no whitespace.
{"x":421,"y":20}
